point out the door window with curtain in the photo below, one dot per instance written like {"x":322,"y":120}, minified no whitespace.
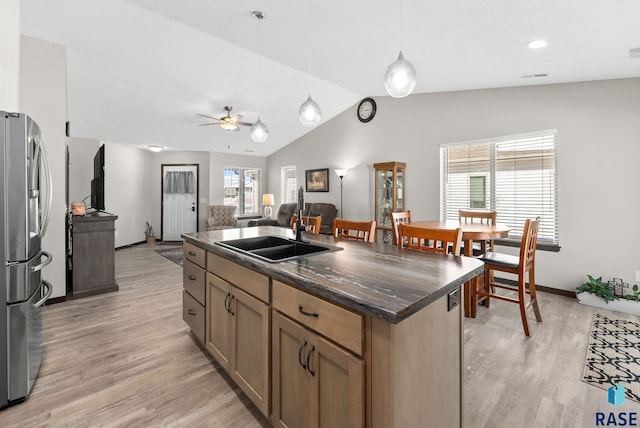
{"x":516,"y":176}
{"x":179,"y":182}
{"x":289,"y":184}
{"x":242,"y":190}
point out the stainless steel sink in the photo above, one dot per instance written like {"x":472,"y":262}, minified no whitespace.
{"x":275,"y":249}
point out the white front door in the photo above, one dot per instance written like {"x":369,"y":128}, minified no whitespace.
{"x":179,"y":201}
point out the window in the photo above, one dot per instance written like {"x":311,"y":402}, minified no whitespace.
{"x":289,"y":184}
{"x":242,"y":190}
{"x":516,"y":176}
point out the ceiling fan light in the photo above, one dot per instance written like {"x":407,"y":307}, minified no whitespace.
{"x":259,"y":132}
{"x":309,"y":113}
{"x":400,"y":78}
{"x":228,"y":126}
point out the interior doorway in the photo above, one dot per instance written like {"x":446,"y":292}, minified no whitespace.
{"x":180,"y":195}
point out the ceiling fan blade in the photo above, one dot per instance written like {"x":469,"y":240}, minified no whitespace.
{"x":207,"y":124}
{"x":244,"y":123}
{"x":208,"y":117}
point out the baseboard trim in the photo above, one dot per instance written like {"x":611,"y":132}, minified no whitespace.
{"x":55,"y":300}
{"x":551,"y":290}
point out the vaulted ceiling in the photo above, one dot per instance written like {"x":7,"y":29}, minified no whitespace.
{"x":139,"y":71}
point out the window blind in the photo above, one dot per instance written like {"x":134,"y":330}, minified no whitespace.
{"x":520,"y":179}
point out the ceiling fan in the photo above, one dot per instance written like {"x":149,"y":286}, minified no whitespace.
{"x":228,"y":122}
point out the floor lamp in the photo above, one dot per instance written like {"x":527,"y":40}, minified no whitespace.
{"x":341,"y":173}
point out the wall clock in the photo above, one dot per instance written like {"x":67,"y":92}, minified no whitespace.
{"x":366,"y":110}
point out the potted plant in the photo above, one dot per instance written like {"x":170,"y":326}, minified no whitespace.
{"x":151,"y":238}
{"x":600,"y":294}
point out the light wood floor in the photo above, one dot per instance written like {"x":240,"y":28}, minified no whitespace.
{"x":126,"y":359}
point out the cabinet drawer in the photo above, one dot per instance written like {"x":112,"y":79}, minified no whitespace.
{"x":248,"y":280}
{"x":193,"y":280}
{"x":340,"y":325}
{"x":195,"y":254}
{"x":193,"y":315}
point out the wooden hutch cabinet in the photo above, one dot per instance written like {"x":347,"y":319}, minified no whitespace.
{"x":389,"y":195}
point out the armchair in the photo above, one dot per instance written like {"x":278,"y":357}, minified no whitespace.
{"x":283,"y":219}
{"x":221,"y":217}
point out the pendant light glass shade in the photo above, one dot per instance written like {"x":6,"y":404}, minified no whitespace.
{"x":400,"y":78}
{"x":310,"y":113}
{"x":259,"y":132}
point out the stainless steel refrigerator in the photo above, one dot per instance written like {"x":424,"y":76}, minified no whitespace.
{"x":25,"y":204}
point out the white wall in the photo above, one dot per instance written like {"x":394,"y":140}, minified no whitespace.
{"x":9,"y":54}
{"x":598,"y":151}
{"x":127,"y":191}
{"x":43,"y":96}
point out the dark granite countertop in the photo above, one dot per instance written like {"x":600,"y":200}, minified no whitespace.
{"x":373,"y":278}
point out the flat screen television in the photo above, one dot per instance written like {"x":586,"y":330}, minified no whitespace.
{"x":97,"y":184}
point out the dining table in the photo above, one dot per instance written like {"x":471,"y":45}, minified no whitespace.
{"x":470,"y":232}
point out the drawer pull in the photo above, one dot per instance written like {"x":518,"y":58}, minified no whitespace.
{"x":303,"y":344}
{"x":192,"y":278}
{"x":191,"y":253}
{"x":313,"y":348}
{"x":309,"y":314}
{"x":230,"y":303}
{"x":191,"y":312}
{"x":227,"y":301}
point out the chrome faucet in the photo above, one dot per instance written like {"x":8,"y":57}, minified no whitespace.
{"x":299,"y":226}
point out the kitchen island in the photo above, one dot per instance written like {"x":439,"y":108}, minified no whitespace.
{"x":368,"y":335}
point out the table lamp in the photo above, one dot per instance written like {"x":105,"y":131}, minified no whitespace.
{"x":267,"y":201}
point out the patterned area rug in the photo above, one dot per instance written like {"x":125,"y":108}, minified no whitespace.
{"x":613,"y":355}
{"x":174,"y":254}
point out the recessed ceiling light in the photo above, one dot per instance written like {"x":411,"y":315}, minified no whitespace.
{"x":155,"y":148}
{"x":536,"y":44}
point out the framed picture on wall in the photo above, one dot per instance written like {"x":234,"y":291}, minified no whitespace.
{"x":317,"y":180}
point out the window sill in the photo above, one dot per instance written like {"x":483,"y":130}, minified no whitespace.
{"x":554,"y":248}
{"x":249,"y":217}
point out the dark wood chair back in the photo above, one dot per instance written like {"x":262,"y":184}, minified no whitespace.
{"x":354,"y":230}
{"x":312,"y":223}
{"x":434,"y":240}
{"x":397,"y":218}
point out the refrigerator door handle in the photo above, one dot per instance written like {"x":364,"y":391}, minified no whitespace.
{"x":47,"y":294}
{"x":46,"y":262}
{"x":46,"y":214}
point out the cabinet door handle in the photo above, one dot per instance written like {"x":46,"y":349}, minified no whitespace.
{"x":230,"y":303}
{"x":309,"y":314}
{"x":191,"y":312}
{"x":313,"y":347}
{"x":303,"y":344}
{"x":227,"y":302}
{"x":191,"y":253}
{"x":192,"y":278}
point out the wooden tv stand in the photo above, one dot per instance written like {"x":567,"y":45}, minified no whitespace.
{"x":92,"y":255}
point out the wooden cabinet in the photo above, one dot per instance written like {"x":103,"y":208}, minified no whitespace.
{"x":193,"y":296}
{"x":389,"y":195}
{"x":315,"y":382}
{"x":93,"y":267}
{"x":237,"y":327}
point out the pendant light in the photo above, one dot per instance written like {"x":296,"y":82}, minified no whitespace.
{"x":309,"y":113}
{"x":259,"y":132}
{"x":400,"y":78}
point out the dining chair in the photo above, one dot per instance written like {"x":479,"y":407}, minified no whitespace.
{"x":354,"y":230}
{"x":516,"y":265}
{"x":482,"y":217}
{"x":400,"y":217}
{"x":434,"y":240}
{"x":312,"y":223}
